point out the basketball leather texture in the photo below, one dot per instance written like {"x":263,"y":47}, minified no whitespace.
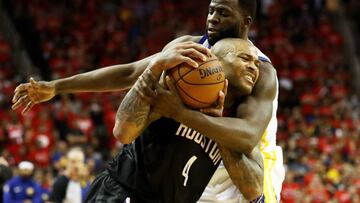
{"x":199,"y":87}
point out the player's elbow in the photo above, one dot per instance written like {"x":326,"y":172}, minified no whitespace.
{"x":120,"y":134}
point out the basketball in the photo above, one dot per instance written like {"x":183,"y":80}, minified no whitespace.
{"x":199,"y":87}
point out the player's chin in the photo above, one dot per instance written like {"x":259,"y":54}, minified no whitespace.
{"x":246,"y":88}
{"x":213,"y":37}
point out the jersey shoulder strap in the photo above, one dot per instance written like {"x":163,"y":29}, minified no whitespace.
{"x":204,"y":41}
{"x":262,"y":56}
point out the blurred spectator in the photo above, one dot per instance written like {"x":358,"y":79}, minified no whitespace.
{"x":23,"y":188}
{"x":5,"y":174}
{"x":72,"y":186}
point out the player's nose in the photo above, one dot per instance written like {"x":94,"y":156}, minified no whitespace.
{"x":252,"y":67}
{"x":213,"y":19}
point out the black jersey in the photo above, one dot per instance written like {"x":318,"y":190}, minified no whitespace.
{"x":168,"y":163}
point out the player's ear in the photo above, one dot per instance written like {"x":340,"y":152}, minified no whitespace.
{"x":247,"y":21}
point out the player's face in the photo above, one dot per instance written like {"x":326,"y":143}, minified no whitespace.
{"x":242,"y":67}
{"x":223,"y":20}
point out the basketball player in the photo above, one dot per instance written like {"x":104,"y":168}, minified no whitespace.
{"x":133,"y":115}
{"x":226,"y":18}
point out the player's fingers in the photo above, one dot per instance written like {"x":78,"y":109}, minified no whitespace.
{"x":193,"y":53}
{"x":21,"y":87}
{"x":143,"y":96}
{"x":34,"y":83}
{"x":221,"y":100}
{"x":198,"y":47}
{"x":19,"y":91}
{"x":18,"y":95}
{"x":139,"y":92}
{"x":189,"y":61}
{"x":145,"y":88}
{"x":29,"y":105}
{"x":226,"y":85}
{"x":21,"y":101}
{"x":170,"y":83}
{"x":211,"y":112}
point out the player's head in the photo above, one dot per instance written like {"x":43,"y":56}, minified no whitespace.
{"x":240,"y":63}
{"x":229,"y":19}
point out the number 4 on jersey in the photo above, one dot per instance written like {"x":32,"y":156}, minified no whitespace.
{"x":187,"y":167}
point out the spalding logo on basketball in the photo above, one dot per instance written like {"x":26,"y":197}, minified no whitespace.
{"x":199,"y":87}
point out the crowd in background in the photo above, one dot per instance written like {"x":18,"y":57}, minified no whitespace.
{"x":318,"y":115}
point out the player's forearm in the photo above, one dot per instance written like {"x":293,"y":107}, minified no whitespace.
{"x":117,"y":77}
{"x":105,"y":79}
{"x":246,"y":172}
{"x":131,"y":117}
{"x":233,"y":133}
{"x":133,"y":113}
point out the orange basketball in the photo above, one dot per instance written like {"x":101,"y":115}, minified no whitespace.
{"x":199,"y":87}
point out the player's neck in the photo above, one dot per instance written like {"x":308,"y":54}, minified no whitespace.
{"x":244,"y":35}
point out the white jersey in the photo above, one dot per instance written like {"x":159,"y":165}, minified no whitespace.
{"x":221,"y":188}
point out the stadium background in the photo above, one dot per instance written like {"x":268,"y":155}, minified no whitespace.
{"x":312,"y":44}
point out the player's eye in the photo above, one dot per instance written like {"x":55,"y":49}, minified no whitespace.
{"x":224,"y":13}
{"x":211,"y":11}
{"x":243,"y":58}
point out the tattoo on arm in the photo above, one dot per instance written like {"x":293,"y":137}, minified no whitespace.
{"x":245,"y":171}
{"x":133,"y":112}
{"x":133,"y":109}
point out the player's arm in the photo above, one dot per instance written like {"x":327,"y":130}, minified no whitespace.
{"x":246,"y":171}
{"x":133,"y":113}
{"x":241,"y":134}
{"x":117,"y":77}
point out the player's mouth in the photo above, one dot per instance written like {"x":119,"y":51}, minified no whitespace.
{"x":212,"y":31}
{"x":249,"y":78}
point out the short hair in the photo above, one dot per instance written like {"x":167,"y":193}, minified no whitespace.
{"x":248,"y":7}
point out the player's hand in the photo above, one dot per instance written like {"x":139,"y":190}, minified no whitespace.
{"x":218,"y":109}
{"x":32,"y":93}
{"x":167,"y":102}
{"x":184,"y":52}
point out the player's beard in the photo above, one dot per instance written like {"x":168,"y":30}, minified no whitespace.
{"x":232,"y":32}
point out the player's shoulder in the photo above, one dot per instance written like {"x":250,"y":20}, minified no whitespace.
{"x":266,"y":86}
{"x":261,"y":55}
